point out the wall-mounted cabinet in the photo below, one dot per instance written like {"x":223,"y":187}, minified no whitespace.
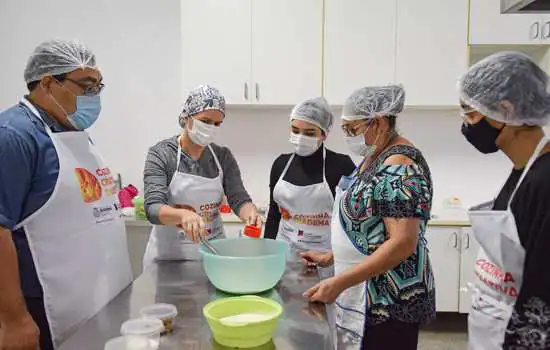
{"x":489,"y":27}
{"x":432,"y":50}
{"x":256,"y":52}
{"x":359,"y":46}
{"x":421,"y":44}
{"x":282,"y":52}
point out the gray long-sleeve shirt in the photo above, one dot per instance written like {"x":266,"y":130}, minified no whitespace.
{"x":160,"y":167}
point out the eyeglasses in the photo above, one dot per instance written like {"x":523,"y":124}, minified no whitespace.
{"x":354,"y":130}
{"x":464,"y":113}
{"x":88,"y":90}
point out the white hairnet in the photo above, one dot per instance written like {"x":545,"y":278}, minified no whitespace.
{"x":315,"y":111}
{"x":511,"y":77}
{"x":373,"y":101}
{"x":56,"y":57}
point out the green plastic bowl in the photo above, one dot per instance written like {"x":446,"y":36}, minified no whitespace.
{"x":245,"y":266}
{"x":242,"y":335}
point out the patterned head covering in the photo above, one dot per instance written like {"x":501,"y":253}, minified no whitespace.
{"x":200,"y":99}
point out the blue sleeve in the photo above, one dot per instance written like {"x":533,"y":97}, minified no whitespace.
{"x":17,"y":159}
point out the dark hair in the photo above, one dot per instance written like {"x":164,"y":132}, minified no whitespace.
{"x":33,"y":84}
{"x":392,"y":121}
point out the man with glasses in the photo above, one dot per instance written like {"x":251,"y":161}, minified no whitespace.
{"x":63,"y":252}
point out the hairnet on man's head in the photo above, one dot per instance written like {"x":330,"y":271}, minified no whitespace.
{"x":373,"y":101}
{"x":507,"y":87}
{"x":54,"y":57}
{"x":200,"y":99}
{"x":315,"y":111}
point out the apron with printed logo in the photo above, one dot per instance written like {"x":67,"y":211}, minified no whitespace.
{"x":305,"y":215}
{"x":498,"y":269}
{"x":204,"y":196}
{"x":78,"y":238}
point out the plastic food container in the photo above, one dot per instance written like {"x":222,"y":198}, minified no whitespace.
{"x":130,"y":343}
{"x":245,"y":266}
{"x":139,"y":204}
{"x":165,"y":312}
{"x":243,"y":322}
{"x":142,"y":333}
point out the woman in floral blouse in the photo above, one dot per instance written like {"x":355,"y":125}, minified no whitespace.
{"x":383,"y":288}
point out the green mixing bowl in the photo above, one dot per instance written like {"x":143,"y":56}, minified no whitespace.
{"x":242,"y":334}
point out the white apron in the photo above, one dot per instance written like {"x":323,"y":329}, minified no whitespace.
{"x":306,"y":214}
{"x":78,"y":239}
{"x":204,"y":195}
{"x":350,"y":306}
{"x":498,"y":270}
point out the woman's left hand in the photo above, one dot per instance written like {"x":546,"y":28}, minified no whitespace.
{"x":325,"y":291}
{"x":254,"y":219}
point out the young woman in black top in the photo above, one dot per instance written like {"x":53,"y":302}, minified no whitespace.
{"x":302,"y":183}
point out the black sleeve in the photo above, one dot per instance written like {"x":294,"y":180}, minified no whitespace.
{"x":337,"y":165}
{"x":348,"y":166}
{"x":531,"y":315}
{"x":274,"y":215}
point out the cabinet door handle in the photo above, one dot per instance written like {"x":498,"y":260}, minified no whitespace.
{"x":454,"y":239}
{"x":257,"y":91}
{"x":246,"y":91}
{"x":534,"y":32}
{"x":467,"y":240}
{"x":546,"y":31}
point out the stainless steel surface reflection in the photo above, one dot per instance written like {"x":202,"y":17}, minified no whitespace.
{"x":184,"y":284}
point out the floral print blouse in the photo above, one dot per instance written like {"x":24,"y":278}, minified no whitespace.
{"x":407,"y":292}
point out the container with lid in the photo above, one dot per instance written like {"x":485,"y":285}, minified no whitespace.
{"x":131,"y":343}
{"x":142,"y":333}
{"x":165,"y":312}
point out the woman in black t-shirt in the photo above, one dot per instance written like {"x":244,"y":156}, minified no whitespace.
{"x":302,"y":183}
{"x":505,"y":102}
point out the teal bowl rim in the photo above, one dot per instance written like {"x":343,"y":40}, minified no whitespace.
{"x":278,"y":312}
{"x":204,"y":251}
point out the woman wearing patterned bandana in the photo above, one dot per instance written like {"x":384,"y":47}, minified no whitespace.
{"x":186,"y":177}
{"x":383,"y":287}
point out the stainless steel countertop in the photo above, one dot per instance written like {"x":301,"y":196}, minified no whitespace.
{"x":184,"y":284}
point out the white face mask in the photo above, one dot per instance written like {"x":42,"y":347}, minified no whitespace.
{"x":202,"y":134}
{"x":304,"y":145}
{"x":357,"y":145}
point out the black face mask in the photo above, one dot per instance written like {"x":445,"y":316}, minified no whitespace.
{"x":482,"y":136}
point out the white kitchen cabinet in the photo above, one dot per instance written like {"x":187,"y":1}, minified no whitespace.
{"x":287,"y":41}
{"x":468,"y":255}
{"x":432,"y":50}
{"x":359,"y":46}
{"x":254,"y":51}
{"x":489,"y":27}
{"x":545,"y":29}
{"x":443,"y":245}
{"x":216,"y":40}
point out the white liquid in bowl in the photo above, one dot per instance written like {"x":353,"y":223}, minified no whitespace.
{"x":245,"y":318}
